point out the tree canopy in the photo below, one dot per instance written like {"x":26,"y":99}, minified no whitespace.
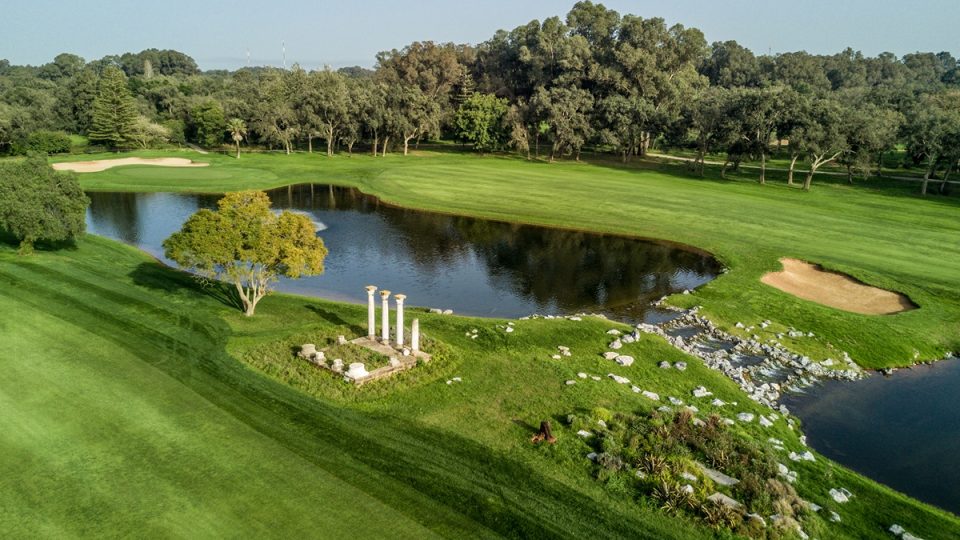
{"x":114,"y":110}
{"x":38,"y":204}
{"x":480,"y":121}
{"x":247,"y":245}
{"x":595,"y":80}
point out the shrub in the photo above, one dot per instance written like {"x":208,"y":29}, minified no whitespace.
{"x":45,"y":142}
{"x":599,"y":413}
{"x":648,"y":455}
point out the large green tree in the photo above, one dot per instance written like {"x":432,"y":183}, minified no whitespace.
{"x":411,"y":114}
{"x":822,"y":139}
{"x":711,"y":122}
{"x":567,"y":113}
{"x":870,"y":130}
{"x":933,"y":133}
{"x":275,"y":117}
{"x":38,"y":204}
{"x":247,"y":245}
{"x":208,"y":123}
{"x":329,"y":104}
{"x":114,"y":110}
{"x":480,"y":121}
{"x":759,"y":114}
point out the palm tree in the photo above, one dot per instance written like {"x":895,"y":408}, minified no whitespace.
{"x":237,"y":129}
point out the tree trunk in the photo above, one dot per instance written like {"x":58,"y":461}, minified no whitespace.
{"x":808,"y":181}
{"x":376,"y":139}
{"x":927,"y":175}
{"x":249,"y":306}
{"x":309,"y":144}
{"x":850,"y":173}
{"x":723,"y":170}
{"x":536,"y":145}
{"x":385,"y":141}
{"x":763,"y":168}
{"x":238,"y":149}
{"x":946,"y":176}
{"x":350,"y":147}
{"x":406,"y":144}
{"x":545,"y":434}
{"x":330,"y":144}
{"x":793,"y":163}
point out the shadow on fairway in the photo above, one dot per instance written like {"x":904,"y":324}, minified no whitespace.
{"x":335,"y":319}
{"x":10,"y":240}
{"x":158,"y":277}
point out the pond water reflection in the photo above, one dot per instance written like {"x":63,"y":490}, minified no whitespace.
{"x":473,"y":266}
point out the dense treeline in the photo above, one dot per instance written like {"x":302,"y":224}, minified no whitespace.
{"x":598,"y":80}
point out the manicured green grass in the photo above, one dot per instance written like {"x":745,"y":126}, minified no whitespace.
{"x":881,"y":234}
{"x":128,"y":411}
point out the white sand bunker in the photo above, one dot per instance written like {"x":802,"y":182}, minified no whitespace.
{"x":104,"y":164}
{"x":810,"y":282}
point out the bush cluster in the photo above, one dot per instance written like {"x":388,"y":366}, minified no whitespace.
{"x":43,"y":142}
{"x":655,"y":456}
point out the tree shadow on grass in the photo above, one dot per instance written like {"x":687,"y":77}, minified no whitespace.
{"x":41,"y":245}
{"x":158,"y":277}
{"x":335,"y":319}
{"x":525,"y":425}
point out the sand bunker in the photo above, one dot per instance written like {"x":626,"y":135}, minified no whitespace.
{"x":810,"y":282}
{"x":104,"y":164}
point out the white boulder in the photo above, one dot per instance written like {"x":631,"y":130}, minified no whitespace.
{"x":840,"y":495}
{"x":701,"y":392}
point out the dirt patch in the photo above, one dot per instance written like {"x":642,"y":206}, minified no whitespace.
{"x":811,"y":282}
{"x":104,"y":164}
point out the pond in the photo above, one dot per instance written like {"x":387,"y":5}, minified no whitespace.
{"x":902,"y":430}
{"x":472,"y":266}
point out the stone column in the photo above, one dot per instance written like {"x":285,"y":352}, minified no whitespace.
{"x":385,"y":316}
{"x":371,"y":313}
{"x":415,"y":335}
{"x":400,"y":298}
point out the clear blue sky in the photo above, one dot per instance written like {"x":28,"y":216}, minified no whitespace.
{"x":217,"y":33}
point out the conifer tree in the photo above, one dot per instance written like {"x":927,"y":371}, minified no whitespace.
{"x":114,"y":111}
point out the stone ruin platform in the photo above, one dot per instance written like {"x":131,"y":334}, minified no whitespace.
{"x":398,"y":361}
{"x":385,"y":349}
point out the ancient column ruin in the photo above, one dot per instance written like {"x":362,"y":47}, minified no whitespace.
{"x":385,"y":318}
{"x":371,"y":313}
{"x":415,"y":335}
{"x":400,"y":298}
